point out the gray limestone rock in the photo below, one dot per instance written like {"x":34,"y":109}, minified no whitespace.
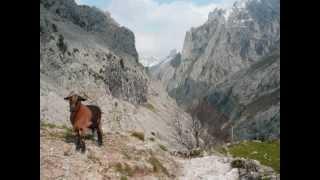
{"x":231,"y":64}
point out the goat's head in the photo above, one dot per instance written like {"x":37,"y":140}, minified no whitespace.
{"x":74,"y":101}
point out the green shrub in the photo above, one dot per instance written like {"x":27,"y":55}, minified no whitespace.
{"x":61,"y":44}
{"x":163,"y":147}
{"x":150,"y":107}
{"x":196,"y":153}
{"x":238,"y":163}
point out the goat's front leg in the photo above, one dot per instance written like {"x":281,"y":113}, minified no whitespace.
{"x":78,"y":140}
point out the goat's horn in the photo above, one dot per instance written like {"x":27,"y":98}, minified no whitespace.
{"x":71,"y":93}
{"x":84,"y":94}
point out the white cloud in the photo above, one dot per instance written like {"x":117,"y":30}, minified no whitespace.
{"x":158,"y":28}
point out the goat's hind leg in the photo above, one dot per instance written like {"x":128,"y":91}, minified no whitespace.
{"x":82,"y":143}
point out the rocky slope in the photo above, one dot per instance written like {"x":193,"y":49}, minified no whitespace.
{"x":231,"y":41}
{"x":83,"y":49}
{"x":80,"y":45}
{"x":121,"y":157}
{"x":124,"y":156}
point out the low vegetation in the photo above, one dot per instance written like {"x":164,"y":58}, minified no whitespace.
{"x":163,"y":147}
{"x":139,"y":135}
{"x":61,"y":44}
{"x":67,"y":134}
{"x":123,"y":178}
{"x":48,"y":125}
{"x":267,"y":152}
{"x":150,"y":107}
{"x":196,"y":153}
{"x":157,"y":165}
{"x":124,"y":169}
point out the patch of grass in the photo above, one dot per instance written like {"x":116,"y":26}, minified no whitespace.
{"x":68,"y":135}
{"x":48,"y":125}
{"x":123,"y":178}
{"x":139,"y":135}
{"x":157,"y":166}
{"x":265,"y":178}
{"x":223,"y":150}
{"x":52,"y":125}
{"x":267,"y":153}
{"x":163,"y":147}
{"x":150,"y":107}
{"x":124,"y":169}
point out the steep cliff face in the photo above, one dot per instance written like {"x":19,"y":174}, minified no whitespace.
{"x":248,"y":102}
{"x":231,"y":41}
{"x":83,"y":47}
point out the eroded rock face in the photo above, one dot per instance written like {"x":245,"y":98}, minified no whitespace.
{"x":249,"y":101}
{"x":223,"y":46}
{"x":231,"y":66}
{"x":85,"y":49}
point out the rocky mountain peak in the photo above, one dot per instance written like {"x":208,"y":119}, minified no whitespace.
{"x":233,"y":40}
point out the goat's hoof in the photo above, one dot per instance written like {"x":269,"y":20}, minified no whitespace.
{"x":83,"y":150}
{"x":100,"y":143}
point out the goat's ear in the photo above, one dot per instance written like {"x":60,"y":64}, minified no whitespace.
{"x":66,"y":98}
{"x":82,"y":99}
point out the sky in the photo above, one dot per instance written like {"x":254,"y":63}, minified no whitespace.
{"x":159,"y":25}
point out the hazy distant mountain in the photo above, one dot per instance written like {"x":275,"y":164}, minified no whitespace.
{"x":148,"y":61}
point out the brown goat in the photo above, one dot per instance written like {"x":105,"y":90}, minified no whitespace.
{"x":84,"y":117}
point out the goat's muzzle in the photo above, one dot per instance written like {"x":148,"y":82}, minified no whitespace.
{"x":72,"y":109}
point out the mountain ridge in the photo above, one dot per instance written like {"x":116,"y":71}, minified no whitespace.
{"x":216,"y":52}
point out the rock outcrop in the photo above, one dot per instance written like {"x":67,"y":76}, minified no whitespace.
{"x":226,"y":65}
{"x":80,"y":44}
